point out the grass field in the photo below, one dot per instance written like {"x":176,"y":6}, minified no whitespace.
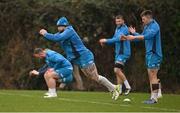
{"x":73,"y":101}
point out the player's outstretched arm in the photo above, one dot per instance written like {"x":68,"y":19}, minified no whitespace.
{"x":57,"y":36}
{"x":131,"y":37}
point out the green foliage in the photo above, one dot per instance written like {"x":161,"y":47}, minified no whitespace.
{"x":21,"y":20}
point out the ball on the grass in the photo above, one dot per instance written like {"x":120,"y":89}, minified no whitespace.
{"x":126,"y":100}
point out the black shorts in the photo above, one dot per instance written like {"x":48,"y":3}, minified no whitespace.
{"x":119,"y":65}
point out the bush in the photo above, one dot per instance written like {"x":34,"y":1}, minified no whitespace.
{"x":21,"y":20}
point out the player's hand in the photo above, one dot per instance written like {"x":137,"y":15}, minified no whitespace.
{"x":102,"y":41}
{"x":130,"y":37}
{"x":42,"y":32}
{"x":132,"y":30}
{"x":33,"y":73}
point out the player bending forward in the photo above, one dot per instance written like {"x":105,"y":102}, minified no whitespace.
{"x":56,"y":68}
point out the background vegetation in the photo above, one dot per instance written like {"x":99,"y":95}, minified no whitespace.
{"x":21,"y":20}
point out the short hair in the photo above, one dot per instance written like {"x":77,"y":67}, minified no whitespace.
{"x":119,"y":17}
{"x":38,"y":50}
{"x":147,"y":13}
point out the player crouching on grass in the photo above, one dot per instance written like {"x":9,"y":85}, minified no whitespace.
{"x":122,"y":52}
{"x":58,"y":68}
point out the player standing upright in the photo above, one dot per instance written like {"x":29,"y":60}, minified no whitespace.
{"x":122,"y":52}
{"x":77,"y":53}
{"x":151,"y":35}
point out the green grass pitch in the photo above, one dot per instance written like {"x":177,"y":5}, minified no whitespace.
{"x":74,"y":101}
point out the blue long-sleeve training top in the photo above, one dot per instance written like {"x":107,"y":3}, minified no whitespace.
{"x":69,"y":41}
{"x":152,"y":37}
{"x":54,"y":60}
{"x":121,"y":47}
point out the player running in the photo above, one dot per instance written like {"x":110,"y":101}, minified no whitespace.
{"x":122,"y":52}
{"x":56,"y":68}
{"x":152,"y":37}
{"x":77,"y":53}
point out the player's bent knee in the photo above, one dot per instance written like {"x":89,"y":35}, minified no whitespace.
{"x":116,"y":70}
{"x":153,"y":75}
{"x":48,"y":75}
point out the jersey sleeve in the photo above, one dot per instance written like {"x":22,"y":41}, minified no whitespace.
{"x":151,"y":32}
{"x":59,"y":36}
{"x":116,"y":37}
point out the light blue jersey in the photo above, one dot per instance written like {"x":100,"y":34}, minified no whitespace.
{"x":61,"y":65}
{"x":152,"y":37}
{"x":71,"y":43}
{"x":122,"y":48}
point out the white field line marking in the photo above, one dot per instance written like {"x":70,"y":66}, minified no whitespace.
{"x":91,"y":102}
{"x":111,"y":104}
{"x":24,"y":95}
{"x":95,"y":102}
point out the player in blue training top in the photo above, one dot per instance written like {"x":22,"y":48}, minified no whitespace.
{"x":56,"y":68}
{"x":122,"y":52}
{"x":77,"y":53}
{"x":152,"y":36}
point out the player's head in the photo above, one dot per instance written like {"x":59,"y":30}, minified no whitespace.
{"x":39,"y":53}
{"x":146,"y":16}
{"x":62,"y":23}
{"x":119,"y":20}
